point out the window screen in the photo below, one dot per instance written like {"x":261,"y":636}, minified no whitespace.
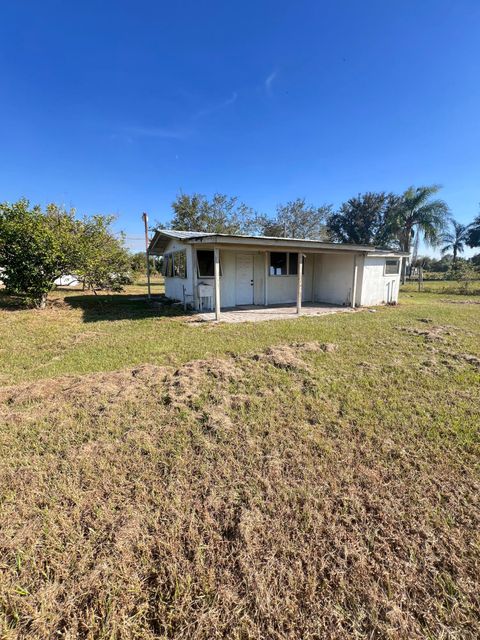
{"x":180,"y":264}
{"x":392,"y":267}
{"x":168,"y":265}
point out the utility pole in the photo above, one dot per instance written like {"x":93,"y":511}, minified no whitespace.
{"x":145,"y":221}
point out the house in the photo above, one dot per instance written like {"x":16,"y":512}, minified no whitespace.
{"x":219,"y":270}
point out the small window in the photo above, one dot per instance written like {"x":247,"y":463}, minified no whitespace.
{"x":278,"y":263}
{"x":392,"y":267}
{"x":180,"y":264}
{"x":284,"y":264}
{"x":205,"y":264}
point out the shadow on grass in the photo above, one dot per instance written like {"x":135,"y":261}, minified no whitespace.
{"x":12,"y":303}
{"x":100,"y":308}
{"x":123,"y":307}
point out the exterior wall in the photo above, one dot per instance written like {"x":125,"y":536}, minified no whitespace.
{"x":334,"y":278}
{"x":378,"y":288}
{"x":281,"y":289}
{"x":174,"y":286}
{"x":328,"y":276}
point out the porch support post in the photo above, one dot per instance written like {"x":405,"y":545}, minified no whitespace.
{"x":265,"y":285}
{"x":216,"y":256}
{"x":354,"y":281}
{"x":314,"y":266}
{"x":299,"y":282}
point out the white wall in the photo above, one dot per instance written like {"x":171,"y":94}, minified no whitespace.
{"x":281,"y":289}
{"x":334,"y":278}
{"x":174,"y":286}
{"x":378,"y":288}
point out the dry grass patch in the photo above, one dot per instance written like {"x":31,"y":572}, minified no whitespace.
{"x":285,"y":493}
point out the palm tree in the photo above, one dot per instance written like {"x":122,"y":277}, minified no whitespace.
{"x":455,"y":239}
{"x":417,"y":213}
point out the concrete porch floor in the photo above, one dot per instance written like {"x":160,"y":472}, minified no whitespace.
{"x":257,"y":313}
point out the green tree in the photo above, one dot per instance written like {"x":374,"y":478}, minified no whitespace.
{"x":365,"y":219}
{"x":220,"y":214}
{"x":473,"y":237}
{"x":103,"y":261}
{"x":418,"y":213}
{"x":295,"y":219}
{"x":455,"y":240}
{"x":36,"y":248}
{"x":138,"y":262}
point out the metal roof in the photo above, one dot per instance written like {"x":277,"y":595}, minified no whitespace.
{"x":163,"y":236}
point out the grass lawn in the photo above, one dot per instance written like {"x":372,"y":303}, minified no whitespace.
{"x":312,"y":478}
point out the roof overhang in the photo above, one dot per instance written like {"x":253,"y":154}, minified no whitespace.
{"x":161,"y":239}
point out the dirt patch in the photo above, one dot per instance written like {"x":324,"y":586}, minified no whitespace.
{"x":288,"y":357}
{"x":432,"y":334}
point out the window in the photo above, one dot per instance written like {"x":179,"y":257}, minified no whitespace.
{"x":293,"y":264}
{"x":278,"y":263}
{"x":180,"y":264}
{"x":167,"y":265}
{"x":175,"y":265}
{"x":205,"y":264}
{"x":283,"y":264}
{"x":392,"y":267}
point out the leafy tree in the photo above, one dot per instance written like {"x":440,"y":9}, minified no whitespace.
{"x":36,"y":248}
{"x":221,"y":214}
{"x":463,"y":272}
{"x":103,"y":261}
{"x":473,"y":237}
{"x":365,"y":219}
{"x":138,"y":262}
{"x":418,"y":213}
{"x":455,"y":240}
{"x":295,"y":219}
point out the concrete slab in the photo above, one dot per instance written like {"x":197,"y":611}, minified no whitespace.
{"x":272,"y":312}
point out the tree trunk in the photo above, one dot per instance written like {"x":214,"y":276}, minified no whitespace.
{"x":405,"y":246}
{"x":454,"y":256}
{"x":42,"y":301}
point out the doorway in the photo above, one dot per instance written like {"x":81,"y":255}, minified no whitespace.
{"x":244,"y":279}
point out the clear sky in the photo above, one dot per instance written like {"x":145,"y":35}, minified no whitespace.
{"x":114,"y":106}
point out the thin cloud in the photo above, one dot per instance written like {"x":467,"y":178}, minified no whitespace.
{"x":217,"y":107}
{"x":269,"y":81}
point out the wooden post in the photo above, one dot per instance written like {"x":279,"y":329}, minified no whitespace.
{"x":145,"y":220}
{"x":354,"y":281}
{"x":265,"y":287}
{"x":216,"y":254}
{"x":314,"y":266}
{"x":299,"y":282}
{"x":420,"y":278}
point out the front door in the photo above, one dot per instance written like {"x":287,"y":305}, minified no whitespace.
{"x":244,"y":279}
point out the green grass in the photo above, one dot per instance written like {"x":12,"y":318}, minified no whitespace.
{"x":85,"y":333}
{"x":239,"y":481}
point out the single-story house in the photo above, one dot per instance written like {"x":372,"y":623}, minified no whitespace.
{"x":219,"y":270}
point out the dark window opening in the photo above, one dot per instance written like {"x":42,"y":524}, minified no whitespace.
{"x":205,"y":264}
{"x":392,"y":267}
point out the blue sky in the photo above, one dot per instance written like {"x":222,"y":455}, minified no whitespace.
{"x":114,"y":107}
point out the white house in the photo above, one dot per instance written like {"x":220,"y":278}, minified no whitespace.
{"x":217,"y":270}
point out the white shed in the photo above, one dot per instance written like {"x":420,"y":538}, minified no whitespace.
{"x":222,"y":271}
